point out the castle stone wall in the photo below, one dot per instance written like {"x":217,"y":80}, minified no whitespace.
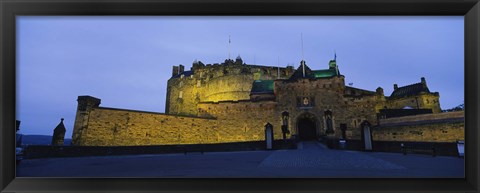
{"x":249,"y":117}
{"x":116,"y":127}
{"x":423,"y":117}
{"x":212,"y":104}
{"x":235,"y":122}
{"x":327,"y":94}
{"x":439,"y":127}
{"x":425,"y":101}
{"x":214,"y":83}
{"x":438,"y":132}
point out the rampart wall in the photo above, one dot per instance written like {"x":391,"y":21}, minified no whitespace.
{"x":233,"y":122}
{"x":439,"y":127}
{"x":245,"y":116}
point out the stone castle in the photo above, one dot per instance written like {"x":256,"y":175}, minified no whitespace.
{"x":233,"y":101}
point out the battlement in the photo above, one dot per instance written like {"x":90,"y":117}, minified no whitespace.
{"x":230,"y":67}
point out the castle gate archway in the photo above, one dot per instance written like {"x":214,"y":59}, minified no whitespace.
{"x":307,"y":127}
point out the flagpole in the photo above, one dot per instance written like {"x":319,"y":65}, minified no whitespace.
{"x":336,"y":65}
{"x":229,"y":47}
{"x":303,"y":61}
{"x":278,"y":68}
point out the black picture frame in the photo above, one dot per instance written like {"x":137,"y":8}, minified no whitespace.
{"x":11,"y":8}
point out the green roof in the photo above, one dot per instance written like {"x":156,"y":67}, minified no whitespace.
{"x":324,"y":73}
{"x":262,"y":86}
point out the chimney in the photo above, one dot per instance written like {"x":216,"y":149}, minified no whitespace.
{"x":181,"y":69}
{"x":395,"y":86}
{"x":175,"y":71}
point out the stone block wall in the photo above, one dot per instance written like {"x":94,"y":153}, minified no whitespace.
{"x":438,"y":132}
{"x":425,"y":101}
{"x":440,"y":127}
{"x":234,"y":122}
{"x":117,"y":127}
{"x":328,"y":94}
{"x":423,"y":117}
{"x":247,"y":117}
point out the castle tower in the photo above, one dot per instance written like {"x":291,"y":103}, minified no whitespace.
{"x":59,"y":134}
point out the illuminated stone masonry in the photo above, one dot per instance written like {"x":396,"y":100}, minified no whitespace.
{"x":233,"y":101}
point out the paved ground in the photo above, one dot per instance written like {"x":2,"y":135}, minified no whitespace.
{"x":310,"y":160}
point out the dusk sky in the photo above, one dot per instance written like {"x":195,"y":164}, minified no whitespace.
{"x":126,"y":61}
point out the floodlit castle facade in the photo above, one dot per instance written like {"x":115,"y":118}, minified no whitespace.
{"x":233,"y":101}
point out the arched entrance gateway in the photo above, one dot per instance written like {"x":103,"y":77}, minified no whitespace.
{"x":307,"y":127}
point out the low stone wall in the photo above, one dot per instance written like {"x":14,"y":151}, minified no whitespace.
{"x":440,"y":127}
{"x":118,"y":127}
{"x":44,"y":151}
{"x":438,"y":132}
{"x":458,"y":115}
{"x":441,"y":148}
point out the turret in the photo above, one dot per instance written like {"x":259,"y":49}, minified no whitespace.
{"x":395,"y":86}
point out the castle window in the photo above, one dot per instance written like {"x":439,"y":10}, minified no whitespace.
{"x":180,"y":85}
{"x":181,"y":76}
{"x":199,"y":83}
{"x":180,"y":94}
